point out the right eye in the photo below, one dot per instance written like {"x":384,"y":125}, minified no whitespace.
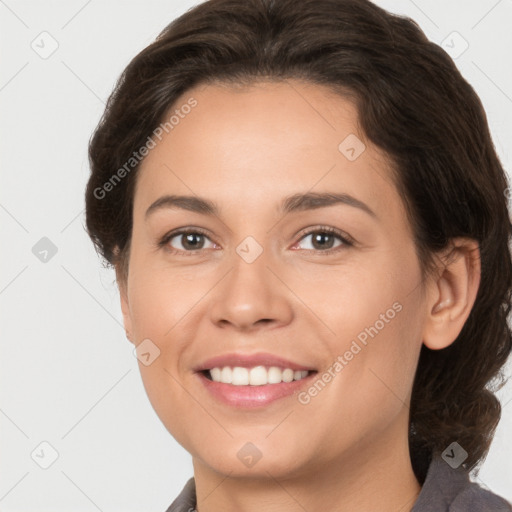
{"x":188,"y":241}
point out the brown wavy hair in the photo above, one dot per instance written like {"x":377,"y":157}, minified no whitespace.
{"x":412,"y":103}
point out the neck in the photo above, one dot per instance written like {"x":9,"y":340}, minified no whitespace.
{"x":377,"y":477}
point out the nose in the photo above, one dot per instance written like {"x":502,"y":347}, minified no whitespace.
{"x":252,"y":296}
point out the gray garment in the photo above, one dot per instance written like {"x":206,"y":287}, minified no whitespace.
{"x":450,"y":490}
{"x":444,"y":490}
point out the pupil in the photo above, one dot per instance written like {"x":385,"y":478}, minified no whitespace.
{"x":190,"y":237}
{"x":322,"y":236}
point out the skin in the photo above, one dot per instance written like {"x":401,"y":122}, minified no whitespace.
{"x":247,"y":148}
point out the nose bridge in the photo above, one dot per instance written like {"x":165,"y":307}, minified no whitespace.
{"x":250,"y":292}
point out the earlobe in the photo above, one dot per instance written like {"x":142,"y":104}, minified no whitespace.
{"x":452,"y":296}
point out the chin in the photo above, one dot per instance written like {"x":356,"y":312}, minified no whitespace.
{"x":246,"y":459}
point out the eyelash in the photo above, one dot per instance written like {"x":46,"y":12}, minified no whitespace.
{"x":347,"y":240}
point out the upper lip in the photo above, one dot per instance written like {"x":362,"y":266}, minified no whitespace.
{"x":249,"y":361}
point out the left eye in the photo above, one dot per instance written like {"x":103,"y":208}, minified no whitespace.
{"x":323,"y":240}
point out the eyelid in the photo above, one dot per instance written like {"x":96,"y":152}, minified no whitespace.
{"x":345,"y":237}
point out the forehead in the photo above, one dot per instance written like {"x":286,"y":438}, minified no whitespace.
{"x":255,"y":144}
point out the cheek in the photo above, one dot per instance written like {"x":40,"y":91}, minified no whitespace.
{"x":375,"y":323}
{"x":366,"y":298}
{"x":369,"y":389}
{"x":160,"y":299}
{"x":160,"y":304}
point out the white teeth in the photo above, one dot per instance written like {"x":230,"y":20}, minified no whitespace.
{"x":275,"y":375}
{"x":240,"y":376}
{"x":226,"y":375}
{"x":216,"y":374}
{"x":287,"y":375}
{"x":256,"y":376}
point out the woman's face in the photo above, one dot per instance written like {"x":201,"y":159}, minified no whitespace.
{"x":260,"y":276}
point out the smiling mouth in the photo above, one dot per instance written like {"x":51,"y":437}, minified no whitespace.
{"x":255,"y":376}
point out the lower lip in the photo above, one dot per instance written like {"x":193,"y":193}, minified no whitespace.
{"x":252,"y":396}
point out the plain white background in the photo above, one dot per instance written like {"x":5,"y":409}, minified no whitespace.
{"x":69,"y":377}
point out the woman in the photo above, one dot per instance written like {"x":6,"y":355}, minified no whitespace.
{"x":309,"y":227}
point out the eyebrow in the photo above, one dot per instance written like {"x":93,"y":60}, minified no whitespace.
{"x":290,"y":204}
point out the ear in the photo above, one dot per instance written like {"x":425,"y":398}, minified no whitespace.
{"x":122,"y":283}
{"x":452,"y":294}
